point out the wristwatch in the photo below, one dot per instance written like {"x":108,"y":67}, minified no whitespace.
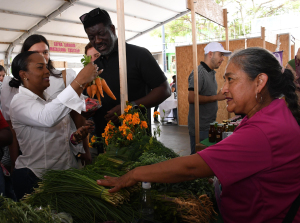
{"x":133,"y":104}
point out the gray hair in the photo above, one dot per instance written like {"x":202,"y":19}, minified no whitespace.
{"x":255,"y":60}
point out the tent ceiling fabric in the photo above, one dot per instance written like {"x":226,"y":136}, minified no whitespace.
{"x":20,"y":15}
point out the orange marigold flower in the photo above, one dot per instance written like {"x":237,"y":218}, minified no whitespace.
{"x":90,"y":145}
{"x":123,"y":128}
{"x":127,"y":108}
{"x":156,"y":113}
{"x":128,"y":117}
{"x":135,"y":121}
{"x":129,"y":136}
{"x":144,"y":124}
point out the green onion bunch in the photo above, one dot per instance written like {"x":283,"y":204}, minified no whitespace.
{"x":77,"y":193}
{"x":20,"y":212}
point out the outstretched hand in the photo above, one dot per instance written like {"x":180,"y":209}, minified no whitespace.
{"x":118,"y":183}
{"x":112,"y":116}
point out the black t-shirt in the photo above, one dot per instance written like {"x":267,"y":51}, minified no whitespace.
{"x":143,"y":74}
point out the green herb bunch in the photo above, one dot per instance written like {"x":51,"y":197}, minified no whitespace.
{"x":86,"y":60}
{"x":20,"y":212}
{"x":76,"y":192}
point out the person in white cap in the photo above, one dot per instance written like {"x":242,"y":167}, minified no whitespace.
{"x":208,"y":96}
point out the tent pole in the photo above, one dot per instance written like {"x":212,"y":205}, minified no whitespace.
{"x":195,"y":66}
{"x":263,"y":36}
{"x":122,"y":54}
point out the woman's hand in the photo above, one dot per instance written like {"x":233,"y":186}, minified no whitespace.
{"x":118,"y":183}
{"x":88,"y":74}
{"x":90,"y":124}
{"x":80,"y":134}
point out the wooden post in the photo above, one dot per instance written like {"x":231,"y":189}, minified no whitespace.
{"x":2,"y":62}
{"x":195,"y":66}
{"x":122,"y":54}
{"x":65,"y":64}
{"x":226,"y":37}
{"x":226,"y":29}
{"x":263,"y":36}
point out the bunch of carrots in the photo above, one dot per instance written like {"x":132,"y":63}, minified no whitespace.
{"x":97,"y":87}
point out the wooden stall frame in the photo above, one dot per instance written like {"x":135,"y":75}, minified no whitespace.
{"x":195,"y":67}
{"x":184,"y":64}
{"x":226,"y":29}
{"x":263,"y":36}
{"x":191,"y":4}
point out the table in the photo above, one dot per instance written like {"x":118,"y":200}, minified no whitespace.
{"x":168,"y":105}
{"x":207,"y":143}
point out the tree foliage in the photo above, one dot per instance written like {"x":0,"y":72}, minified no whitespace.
{"x":242,"y":12}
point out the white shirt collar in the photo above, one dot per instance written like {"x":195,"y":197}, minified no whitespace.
{"x":29,"y":93}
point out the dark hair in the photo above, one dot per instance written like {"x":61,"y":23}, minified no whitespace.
{"x":94,"y":17}
{"x":34,"y":39}
{"x":2,"y":69}
{"x":87,"y":47}
{"x":19,"y":63}
{"x":255,"y":60}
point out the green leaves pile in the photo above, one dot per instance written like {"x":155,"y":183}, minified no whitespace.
{"x":76,"y":192}
{"x":17,"y":212}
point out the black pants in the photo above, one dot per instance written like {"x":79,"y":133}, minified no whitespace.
{"x":24,"y":180}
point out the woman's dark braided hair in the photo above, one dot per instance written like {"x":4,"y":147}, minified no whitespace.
{"x":255,"y":60}
{"x":19,"y":63}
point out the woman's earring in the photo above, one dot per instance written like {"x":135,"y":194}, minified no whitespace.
{"x":261,"y":99}
{"x":25,"y":78}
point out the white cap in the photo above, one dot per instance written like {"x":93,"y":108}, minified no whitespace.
{"x":216,"y":47}
{"x":146,"y":185}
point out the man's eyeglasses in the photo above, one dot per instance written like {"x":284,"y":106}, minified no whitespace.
{"x":91,"y":14}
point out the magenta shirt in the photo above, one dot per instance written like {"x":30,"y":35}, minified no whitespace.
{"x":258,"y":166}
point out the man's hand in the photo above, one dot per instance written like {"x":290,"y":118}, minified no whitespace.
{"x":220,"y":96}
{"x":112,"y":116}
{"x":86,"y":158}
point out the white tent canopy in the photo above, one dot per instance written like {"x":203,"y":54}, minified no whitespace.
{"x":59,"y":19}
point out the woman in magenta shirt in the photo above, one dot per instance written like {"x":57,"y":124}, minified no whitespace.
{"x":258,"y":165}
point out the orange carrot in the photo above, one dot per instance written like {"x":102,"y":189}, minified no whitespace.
{"x":107,"y":89}
{"x":94,"y":90}
{"x":89,"y":91}
{"x":99,"y":85}
{"x":98,"y":96}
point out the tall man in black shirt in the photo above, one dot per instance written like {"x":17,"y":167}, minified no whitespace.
{"x":147,"y":83}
